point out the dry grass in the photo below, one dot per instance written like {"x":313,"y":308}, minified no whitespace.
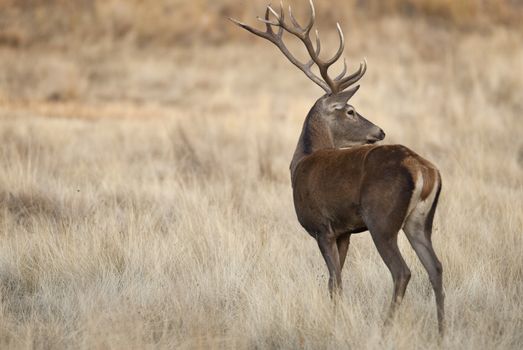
{"x":145,"y":198}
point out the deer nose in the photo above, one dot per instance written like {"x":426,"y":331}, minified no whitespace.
{"x":380,"y":135}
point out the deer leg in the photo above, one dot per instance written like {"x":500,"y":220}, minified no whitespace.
{"x":329,"y":250}
{"x":343,"y":243}
{"x":421,"y":242}
{"x":389,"y":252}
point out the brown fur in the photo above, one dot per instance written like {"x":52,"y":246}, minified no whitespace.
{"x":331,"y":182}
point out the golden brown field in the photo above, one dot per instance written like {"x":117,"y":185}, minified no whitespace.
{"x":145,"y":199}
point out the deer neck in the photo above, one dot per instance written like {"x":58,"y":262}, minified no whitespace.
{"x":315,"y":135}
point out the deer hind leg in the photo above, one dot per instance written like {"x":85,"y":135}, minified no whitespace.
{"x":329,"y":250}
{"x":384,"y":208}
{"x":390,"y":253}
{"x":343,"y":243}
{"x":418,"y":228}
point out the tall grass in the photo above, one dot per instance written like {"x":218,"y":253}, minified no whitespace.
{"x":145,"y":199}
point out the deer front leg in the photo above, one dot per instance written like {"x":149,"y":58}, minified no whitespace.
{"x":329,"y":250}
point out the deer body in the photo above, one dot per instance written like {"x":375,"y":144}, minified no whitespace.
{"x":343,"y":183}
{"x":330,"y":185}
{"x":377,"y":188}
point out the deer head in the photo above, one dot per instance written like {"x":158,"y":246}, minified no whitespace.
{"x":332,"y":122}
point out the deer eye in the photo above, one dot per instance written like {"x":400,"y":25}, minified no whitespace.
{"x":350,"y":112}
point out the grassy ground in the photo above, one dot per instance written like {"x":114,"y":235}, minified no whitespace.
{"x":145,"y":199}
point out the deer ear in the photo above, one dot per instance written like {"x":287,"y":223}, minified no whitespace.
{"x":340,"y":99}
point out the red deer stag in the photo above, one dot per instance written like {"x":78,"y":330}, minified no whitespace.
{"x":343,"y":183}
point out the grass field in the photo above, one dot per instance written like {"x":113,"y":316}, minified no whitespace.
{"x":145,"y":198}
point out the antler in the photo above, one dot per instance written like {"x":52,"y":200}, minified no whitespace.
{"x":331,"y":86}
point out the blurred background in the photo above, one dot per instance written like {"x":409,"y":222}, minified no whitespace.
{"x":145,"y":199}
{"x":157,"y":51}
{"x":70,"y":23}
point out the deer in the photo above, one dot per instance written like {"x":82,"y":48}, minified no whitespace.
{"x":344,"y":182}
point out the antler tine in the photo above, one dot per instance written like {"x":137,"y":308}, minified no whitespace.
{"x":338,"y":53}
{"x":267,"y":18}
{"x":293,"y":20}
{"x":269,"y":23}
{"x":281,"y":7}
{"x":299,"y":31}
{"x":280,"y":19}
{"x":317,"y":50}
{"x":354,"y":77}
{"x":282,"y":16}
{"x":249,"y":29}
{"x":318,"y":43}
{"x":342,"y":74}
{"x":312,"y":19}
